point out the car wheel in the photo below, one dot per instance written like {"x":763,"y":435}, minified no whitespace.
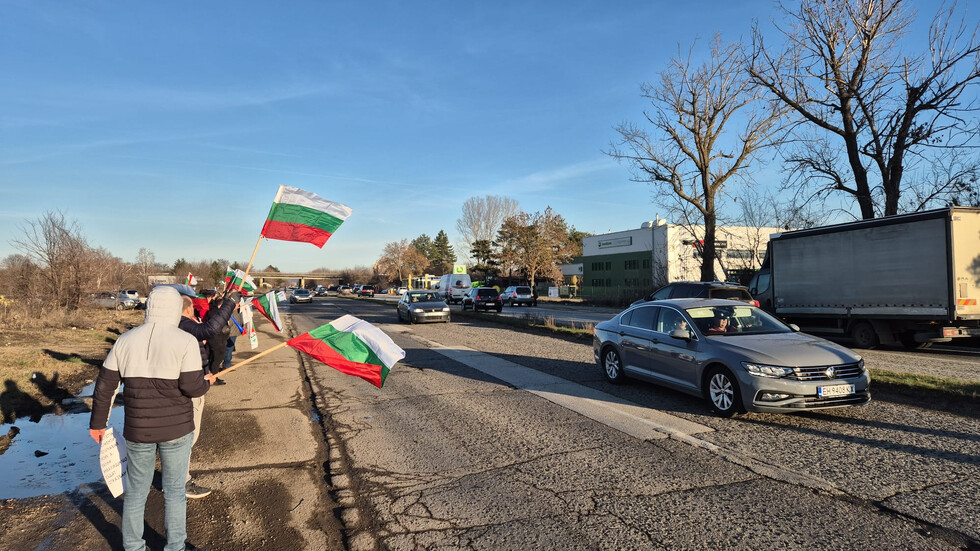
{"x":864,"y":335}
{"x":500,"y":308}
{"x":612,"y":366}
{"x":722,"y":392}
{"x":512,"y":303}
{"x":120,"y":307}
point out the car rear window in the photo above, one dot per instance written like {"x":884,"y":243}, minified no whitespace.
{"x":733,"y":294}
{"x":523,"y":291}
{"x":487,"y":292}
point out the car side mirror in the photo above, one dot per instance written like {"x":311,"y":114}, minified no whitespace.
{"x":682,"y":334}
{"x":794,"y":327}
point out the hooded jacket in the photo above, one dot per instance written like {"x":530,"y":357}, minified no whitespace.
{"x":159,"y":366}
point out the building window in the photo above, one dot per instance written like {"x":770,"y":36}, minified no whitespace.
{"x":631,"y":264}
{"x":597,"y":266}
{"x":740,"y":254}
{"x":597,"y":283}
{"x":647,"y":263}
{"x":609,"y":265}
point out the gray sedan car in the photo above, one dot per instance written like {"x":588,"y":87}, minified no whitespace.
{"x":422,"y":306}
{"x":734,"y":355}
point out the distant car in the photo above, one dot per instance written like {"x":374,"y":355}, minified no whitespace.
{"x":483,"y":298}
{"x":135,"y":295}
{"x":422,"y":306}
{"x":300,"y":295}
{"x":701,"y":289}
{"x":734,"y":355}
{"x":401,"y":290}
{"x":113,"y":299}
{"x":366,"y":291}
{"x":344,"y":289}
{"x":320,"y":291}
{"x":518,"y":294}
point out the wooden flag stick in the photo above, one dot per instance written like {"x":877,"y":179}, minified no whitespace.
{"x":249,"y":267}
{"x":252,"y":359}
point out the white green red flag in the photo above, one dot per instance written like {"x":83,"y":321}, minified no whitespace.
{"x":191,"y":280}
{"x":267,"y":305}
{"x":235,"y":279}
{"x":299,"y":215}
{"x":352,"y":346}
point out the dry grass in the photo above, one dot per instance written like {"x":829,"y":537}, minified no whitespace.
{"x":49,"y":359}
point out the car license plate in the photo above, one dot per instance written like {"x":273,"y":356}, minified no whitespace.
{"x":835,"y":390}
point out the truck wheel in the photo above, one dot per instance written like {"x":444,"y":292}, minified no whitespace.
{"x":908,"y":341}
{"x":864,"y":335}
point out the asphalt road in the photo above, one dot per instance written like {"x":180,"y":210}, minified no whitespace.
{"x":485,"y":437}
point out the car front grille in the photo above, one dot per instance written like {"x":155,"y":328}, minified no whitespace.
{"x":813,"y":402}
{"x":823,"y":373}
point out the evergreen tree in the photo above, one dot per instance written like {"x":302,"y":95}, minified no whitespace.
{"x":443,"y":254}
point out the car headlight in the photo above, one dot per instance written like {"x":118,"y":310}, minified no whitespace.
{"x":772,"y":371}
{"x":446,"y":309}
{"x":417,"y":310}
{"x":861,"y":364}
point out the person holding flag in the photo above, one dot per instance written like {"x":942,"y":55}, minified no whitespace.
{"x":160,"y":369}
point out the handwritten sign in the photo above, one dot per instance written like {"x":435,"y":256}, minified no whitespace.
{"x":114,"y":460}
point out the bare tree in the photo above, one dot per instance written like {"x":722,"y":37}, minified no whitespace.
{"x":146,"y":264}
{"x":844,"y":74}
{"x":708,"y":123}
{"x":399,"y":260}
{"x":57,"y":246}
{"x":536,"y":244}
{"x":482,"y":217}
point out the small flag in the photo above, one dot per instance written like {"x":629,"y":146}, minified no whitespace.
{"x":234,"y":280}
{"x":352,"y":346}
{"x":253,"y":339}
{"x":299,"y":215}
{"x":191,"y":280}
{"x":268,"y":307}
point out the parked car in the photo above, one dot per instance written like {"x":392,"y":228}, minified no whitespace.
{"x":113,"y":299}
{"x":344,"y":289}
{"x":733,"y":354}
{"x":519,"y":294}
{"x":401,"y":290}
{"x":422,"y":306}
{"x":485,"y":298}
{"x":366,"y":291}
{"x":300,"y":295}
{"x":701,"y":289}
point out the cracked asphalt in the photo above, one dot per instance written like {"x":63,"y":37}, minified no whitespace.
{"x":447,"y":456}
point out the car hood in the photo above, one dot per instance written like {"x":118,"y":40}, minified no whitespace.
{"x":785,"y":349}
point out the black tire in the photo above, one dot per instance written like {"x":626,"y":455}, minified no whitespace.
{"x":908,"y":341}
{"x":722,"y":392}
{"x":612,"y":366}
{"x":399,"y":312}
{"x":120,"y":307}
{"x":864,"y":335}
{"x":500,"y":308}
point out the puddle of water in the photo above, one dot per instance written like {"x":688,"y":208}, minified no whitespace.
{"x":72,"y":456}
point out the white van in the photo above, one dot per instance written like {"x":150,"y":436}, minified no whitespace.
{"x":453,"y":287}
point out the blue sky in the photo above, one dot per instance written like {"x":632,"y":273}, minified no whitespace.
{"x":170,"y":125}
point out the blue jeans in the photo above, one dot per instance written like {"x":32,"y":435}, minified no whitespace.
{"x":229,"y":351}
{"x":175,"y":456}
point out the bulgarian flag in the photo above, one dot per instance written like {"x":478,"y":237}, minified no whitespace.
{"x":298,"y":215}
{"x":236,"y":279}
{"x":191,"y":280}
{"x":267,"y":305}
{"x":352,"y":346}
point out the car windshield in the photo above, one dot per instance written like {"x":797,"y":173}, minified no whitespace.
{"x":735,"y":320}
{"x":301,"y":292}
{"x":423,"y":297}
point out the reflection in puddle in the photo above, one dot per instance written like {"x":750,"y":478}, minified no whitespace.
{"x":52,"y":456}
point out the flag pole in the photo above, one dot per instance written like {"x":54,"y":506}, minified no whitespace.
{"x":252,"y":359}
{"x":248,"y":268}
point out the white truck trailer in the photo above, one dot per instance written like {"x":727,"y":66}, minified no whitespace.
{"x":912,"y":279}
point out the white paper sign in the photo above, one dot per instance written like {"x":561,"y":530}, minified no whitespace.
{"x":247,"y":322}
{"x":115,"y":462}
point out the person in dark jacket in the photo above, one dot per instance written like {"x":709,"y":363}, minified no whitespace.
{"x":159,"y":367}
{"x":203,"y":331}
